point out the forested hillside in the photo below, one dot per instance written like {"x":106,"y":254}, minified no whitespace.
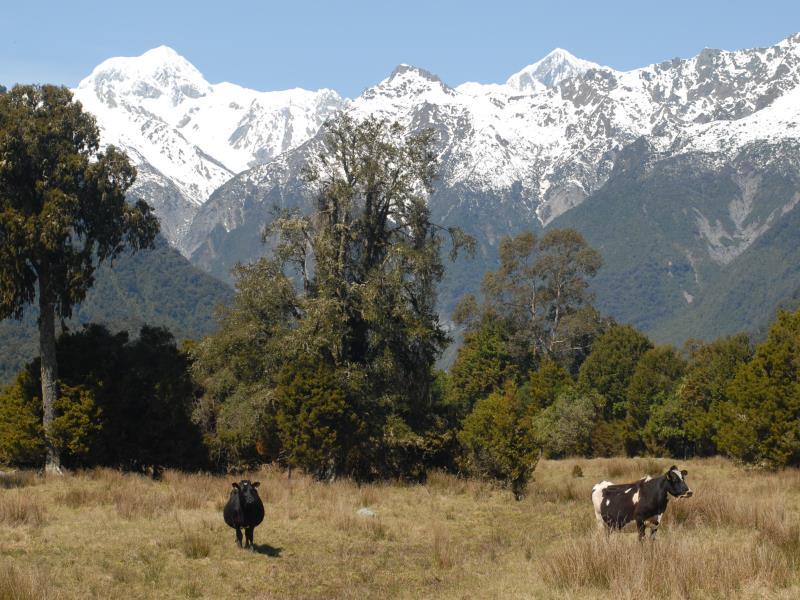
{"x":157,"y":287}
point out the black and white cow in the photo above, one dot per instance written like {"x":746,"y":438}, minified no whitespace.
{"x":644,"y":501}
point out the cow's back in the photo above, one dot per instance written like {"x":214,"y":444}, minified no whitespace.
{"x":615,"y":503}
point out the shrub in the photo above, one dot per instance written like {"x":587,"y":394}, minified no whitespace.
{"x":498,"y":440}
{"x":565,"y":427}
{"x":21,"y":434}
{"x":317,"y":421}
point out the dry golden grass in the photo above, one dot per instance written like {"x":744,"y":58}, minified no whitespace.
{"x":20,"y":508}
{"x":101,"y":534}
{"x":20,"y":583}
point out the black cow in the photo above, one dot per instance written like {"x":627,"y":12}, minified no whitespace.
{"x":244,"y":510}
{"x":643,"y":501}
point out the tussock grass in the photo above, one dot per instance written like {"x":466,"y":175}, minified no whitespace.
{"x":18,"y":582}
{"x":17,"y":479}
{"x":675,"y":567}
{"x":107,"y":534}
{"x":195,"y":545}
{"x":630,"y":469}
{"x":19,"y":508}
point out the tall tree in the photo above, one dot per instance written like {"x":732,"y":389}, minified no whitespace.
{"x":62,"y":212}
{"x":610,"y":365}
{"x":353,"y":285}
{"x":760,"y":421}
{"x":541,"y":289}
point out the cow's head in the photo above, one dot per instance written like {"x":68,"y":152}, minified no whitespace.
{"x":248,"y":494}
{"x":676,"y":483}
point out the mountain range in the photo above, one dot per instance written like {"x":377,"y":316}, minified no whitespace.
{"x":684,"y":174}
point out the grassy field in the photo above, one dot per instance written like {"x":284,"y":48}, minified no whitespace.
{"x":102,"y":534}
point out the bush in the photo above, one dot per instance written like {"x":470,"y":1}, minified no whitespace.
{"x":565,"y":427}
{"x":319,"y":426}
{"x":498,"y":440}
{"x":122,"y":403}
{"x":608,"y":438}
{"x":21,"y":433}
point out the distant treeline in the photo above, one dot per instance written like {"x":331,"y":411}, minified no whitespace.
{"x":324,"y":360}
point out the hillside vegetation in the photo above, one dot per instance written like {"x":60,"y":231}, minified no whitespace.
{"x":102,"y":534}
{"x":157,"y":287}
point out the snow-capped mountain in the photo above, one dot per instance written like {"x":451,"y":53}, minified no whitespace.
{"x":188,"y":136}
{"x":553,"y":131}
{"x":554,"y":68}
{"x":215,"y":159}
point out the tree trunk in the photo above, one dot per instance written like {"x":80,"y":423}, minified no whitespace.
{"x":47,"y":351}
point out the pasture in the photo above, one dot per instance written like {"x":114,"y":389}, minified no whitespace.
{"x":103,"y":534}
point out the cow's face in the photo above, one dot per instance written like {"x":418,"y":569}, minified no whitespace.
{"x":676,"y":483}
{"x":248,"y":494}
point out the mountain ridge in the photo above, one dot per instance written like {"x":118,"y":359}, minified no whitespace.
{"x":527,"y":153}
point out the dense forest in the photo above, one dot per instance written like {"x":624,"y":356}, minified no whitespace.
{"x":325,"y":358}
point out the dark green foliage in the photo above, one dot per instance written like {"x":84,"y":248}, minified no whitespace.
{"x":760,"y":422}
{"x":499,"y":440}
{"x":704,"y":391}
{"x":319,"y":424}
{"x":123,"y":404}
{"x":653,"y":383}
{"x":21,"y":432}
{"x":608,"y":438}
{"x":546,"y":383}
{"x":62,"y":212}
{"x":610,"y":365}
{"x":483,"y":364}
{"x":63,"y":201}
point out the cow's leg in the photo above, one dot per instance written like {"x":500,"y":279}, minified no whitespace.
{"x":248,"y":532}
{"x":640,"y":526}
{"x":239,"y":537}
{"x":654,"y":523}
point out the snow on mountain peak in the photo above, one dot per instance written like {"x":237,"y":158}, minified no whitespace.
{"x":159,"y":74}
{"x":188,"y":136}
{"x":551,"y":70}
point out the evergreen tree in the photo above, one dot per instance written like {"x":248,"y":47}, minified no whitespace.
{"x":547,"y":383}
{"x":653,"y":383}
{"x":499,"y":440}
{"x":483,"y":365}
{"x":610,"y":365}
{"x":760,"y":422}
{"x":711,"y":369}
{"x":62,"y":211}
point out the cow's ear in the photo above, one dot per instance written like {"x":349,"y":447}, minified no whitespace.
{"x":256,"y":483}
{"x":235,"y":485}
{"x":684,"y":472}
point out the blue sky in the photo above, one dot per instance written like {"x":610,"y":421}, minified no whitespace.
{"x":350,"y":45}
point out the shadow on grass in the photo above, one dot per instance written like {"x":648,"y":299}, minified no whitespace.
{"x":267,"y":550}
